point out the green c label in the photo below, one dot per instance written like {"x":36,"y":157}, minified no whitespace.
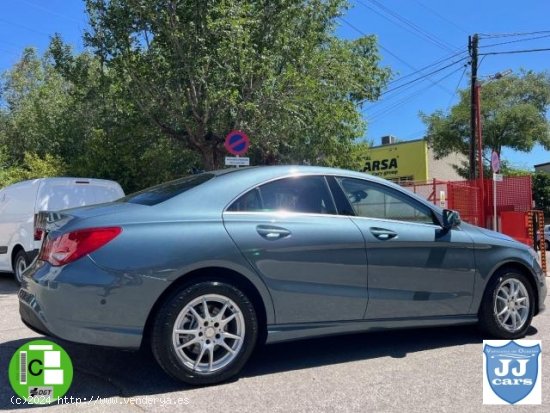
{"x":40,"y":372}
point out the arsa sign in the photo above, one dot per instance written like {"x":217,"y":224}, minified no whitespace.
{"x":381,"y":165}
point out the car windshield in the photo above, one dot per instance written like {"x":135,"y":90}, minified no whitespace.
{"x":160,"y":193}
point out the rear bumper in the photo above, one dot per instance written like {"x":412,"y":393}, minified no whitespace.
{"x":85,"y":304}
{"x":31,"y":320}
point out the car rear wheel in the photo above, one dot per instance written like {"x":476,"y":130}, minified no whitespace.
{"x":205,"y":333}
{"x":508,"y":306}
{"x":19,"y":265}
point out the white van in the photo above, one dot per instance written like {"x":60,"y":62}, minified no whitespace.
{"x":21,"y":202}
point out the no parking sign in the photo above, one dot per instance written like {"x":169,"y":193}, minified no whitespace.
{"x":237,"y":142}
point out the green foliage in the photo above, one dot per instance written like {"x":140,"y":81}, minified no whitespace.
{"x":168,"y":79}
{"x":513,"y":111}
{"x":541,"y":192}
{"x":274,"y":68}
{"x":65,"y":107}
{"x":32,"y":167}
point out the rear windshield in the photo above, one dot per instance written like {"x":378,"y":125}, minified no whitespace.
{"x":160,"y":193}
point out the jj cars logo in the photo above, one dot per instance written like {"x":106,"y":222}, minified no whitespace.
{"x":511,"y":372}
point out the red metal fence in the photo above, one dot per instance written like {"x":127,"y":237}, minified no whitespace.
{"x":513,"y":194}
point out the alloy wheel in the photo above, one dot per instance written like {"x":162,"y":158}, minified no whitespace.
{"x":208,"y":333}
{"x":511,"y":306}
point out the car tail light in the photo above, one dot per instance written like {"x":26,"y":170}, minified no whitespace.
{"x":71,"y":246}
{"x":38,"y":234}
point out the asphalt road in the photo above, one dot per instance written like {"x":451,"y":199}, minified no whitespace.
{"x":437,"y":369}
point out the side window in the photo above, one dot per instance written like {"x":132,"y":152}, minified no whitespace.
{"x":375,"y":201}
{"x":307,"y":194}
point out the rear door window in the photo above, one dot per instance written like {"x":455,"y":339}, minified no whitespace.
{"x":306,"y":194}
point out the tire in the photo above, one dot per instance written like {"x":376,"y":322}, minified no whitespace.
{"x":209,"y":338}
{"x":516,"y":315}
{"x":547,"y":245}
{"x":20,"y":262}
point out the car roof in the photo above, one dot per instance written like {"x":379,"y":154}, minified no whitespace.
{"x":215,"y":195}
{"x":275,"y":171}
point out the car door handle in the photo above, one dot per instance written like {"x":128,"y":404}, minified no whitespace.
{"x":383,"y":234}
{"x":271,"y":232}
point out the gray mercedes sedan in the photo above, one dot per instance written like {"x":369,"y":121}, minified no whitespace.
{"x":204,"y":268}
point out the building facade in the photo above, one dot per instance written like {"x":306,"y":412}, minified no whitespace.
{"x":410,"y":161}
{"x":543,"y":167}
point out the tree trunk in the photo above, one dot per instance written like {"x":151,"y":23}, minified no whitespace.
{"x":208,"y":158}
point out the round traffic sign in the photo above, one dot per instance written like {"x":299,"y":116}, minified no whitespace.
{"x":236,"y":142}
{"x":495,"y":162}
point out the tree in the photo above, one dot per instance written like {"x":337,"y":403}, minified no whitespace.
{"x":65,"y":109}
{"x":274,"y":68}
{"x":513,"y":113}
{"x":541,"y":192}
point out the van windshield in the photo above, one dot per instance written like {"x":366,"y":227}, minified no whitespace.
{"x":160,"y":193}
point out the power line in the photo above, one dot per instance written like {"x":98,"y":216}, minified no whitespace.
{"x":493,"y":35}
{"x":411,"y":85}
{"x":515,"y":41}
{"x":24,"y":27}
{"x":407,"y":24}
{"x":452,"y":23}
{"x":423,"y":77}
{"x":362,"y":33}
{"x":515,"y":51}
{"x":385,"y":111}
{"x":457,"y":85}
{"x":430,"y":37}
{"x":36,"y":6}
{"x":434,"y":64}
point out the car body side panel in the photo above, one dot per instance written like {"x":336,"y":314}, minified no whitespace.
{"x":423,"y":271}
{"x":169,"y":250}
{"x":317,"y":273}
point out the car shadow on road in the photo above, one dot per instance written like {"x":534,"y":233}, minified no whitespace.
{"x":8,"y":285}
{"x":104,"y":372}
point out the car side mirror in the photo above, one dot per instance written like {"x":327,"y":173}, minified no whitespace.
{"x":451,"y":219}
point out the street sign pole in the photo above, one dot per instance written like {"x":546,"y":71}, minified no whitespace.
{"x":495,"y":221}
{"x":495,"y":166}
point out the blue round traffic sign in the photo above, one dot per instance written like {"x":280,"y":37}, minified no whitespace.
{"x":236,"y":142}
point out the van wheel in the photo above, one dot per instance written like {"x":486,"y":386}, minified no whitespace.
{"x":205,"y":333}
{"x":19,"y":265}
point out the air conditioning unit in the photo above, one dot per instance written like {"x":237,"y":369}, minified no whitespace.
{"x":388,"y":140}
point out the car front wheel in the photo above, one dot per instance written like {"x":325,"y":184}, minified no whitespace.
{"x":508,"y":306}
{"x":204,"y":333}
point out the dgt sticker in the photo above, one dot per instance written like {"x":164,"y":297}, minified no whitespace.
{"x":512,"y":372}
{"x":40,"y":372}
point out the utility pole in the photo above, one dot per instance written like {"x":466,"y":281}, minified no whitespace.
{"x":472,"y":48}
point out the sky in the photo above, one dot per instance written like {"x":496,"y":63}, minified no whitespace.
{"x":412,"y":34}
